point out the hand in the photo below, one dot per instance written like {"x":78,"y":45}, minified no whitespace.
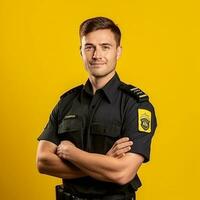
{"x":120,"y":147}
{"x":63,"y":150}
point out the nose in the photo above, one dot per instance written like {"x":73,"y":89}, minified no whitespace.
{"x":97,"y":54}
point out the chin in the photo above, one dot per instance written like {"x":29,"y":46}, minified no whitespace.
{"x":99,"y":74}
{"x":96,"y":72}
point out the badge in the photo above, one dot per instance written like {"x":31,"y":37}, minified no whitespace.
{"x":144,"y":120}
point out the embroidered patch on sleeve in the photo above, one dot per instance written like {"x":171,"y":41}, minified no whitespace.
{"x":144,"y":120}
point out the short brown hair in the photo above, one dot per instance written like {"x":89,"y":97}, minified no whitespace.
{"x":98,"y":23}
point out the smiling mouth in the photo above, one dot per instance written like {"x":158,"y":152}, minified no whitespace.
{"x":97,"y":63}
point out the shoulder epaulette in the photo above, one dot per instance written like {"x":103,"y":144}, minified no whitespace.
{"x":73,"y":90}
{"x":135,"y":92}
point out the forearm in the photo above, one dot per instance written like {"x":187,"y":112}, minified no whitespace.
{"x":50,"y":164}
{"x":119,"y":169}
{"x":98,"y":166}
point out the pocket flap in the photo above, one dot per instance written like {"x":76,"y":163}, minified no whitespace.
{"x":70,"y":123}
{"x":111,"y":130}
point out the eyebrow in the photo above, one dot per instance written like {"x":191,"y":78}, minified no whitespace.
{"x":102,"y":44}
{"x":108,"y":44}
{"x":87,"y":44}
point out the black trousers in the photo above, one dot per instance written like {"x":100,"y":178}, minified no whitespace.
{"x":63,"y":195}
{"x":115,"y":197}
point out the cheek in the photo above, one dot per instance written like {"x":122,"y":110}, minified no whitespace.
{"x":85,"y":60}
{"x":112,"y":58}
{"x":86,"y":57}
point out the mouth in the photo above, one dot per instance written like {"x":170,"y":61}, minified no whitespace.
{"x":97,"y":64}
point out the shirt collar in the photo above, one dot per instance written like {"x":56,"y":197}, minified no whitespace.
{"x":110,"y":89}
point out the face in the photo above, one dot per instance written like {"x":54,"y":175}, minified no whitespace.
{"x":100,"y":52}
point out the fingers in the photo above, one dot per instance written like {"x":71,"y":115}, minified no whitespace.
{"x":121,"y":140}
{"x":122,"y":145}
{"x":63,"y":149}
{"x":119,"y":150}
{"x":123,"y":151}
{"x":59,"y":152}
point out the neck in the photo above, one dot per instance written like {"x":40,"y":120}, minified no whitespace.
{"x":99,"y":82}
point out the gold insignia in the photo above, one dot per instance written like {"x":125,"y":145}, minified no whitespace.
{"x":144,"y":120}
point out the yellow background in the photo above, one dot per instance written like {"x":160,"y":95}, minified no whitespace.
{"x":39,"y":60}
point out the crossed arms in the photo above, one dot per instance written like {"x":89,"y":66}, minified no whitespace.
{"x":68,"y":162}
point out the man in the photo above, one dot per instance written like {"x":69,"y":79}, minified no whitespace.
{"x":88,"y":139}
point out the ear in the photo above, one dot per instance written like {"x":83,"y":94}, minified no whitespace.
{"x":119,"y":52}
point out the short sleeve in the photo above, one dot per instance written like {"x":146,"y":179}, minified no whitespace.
{"x":50,"y":131}
{"x":139,"y":125}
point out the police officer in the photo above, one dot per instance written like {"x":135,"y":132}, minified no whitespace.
{"x":88,"y":139}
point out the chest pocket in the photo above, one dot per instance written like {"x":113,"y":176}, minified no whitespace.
{"x":71,"y":128}
{"x":103,"y":136}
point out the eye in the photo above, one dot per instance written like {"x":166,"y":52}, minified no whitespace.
{"x":105,"y":47}
{"x":89,"y":48}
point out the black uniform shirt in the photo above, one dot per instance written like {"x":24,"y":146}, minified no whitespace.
{"x":94,"y":122}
